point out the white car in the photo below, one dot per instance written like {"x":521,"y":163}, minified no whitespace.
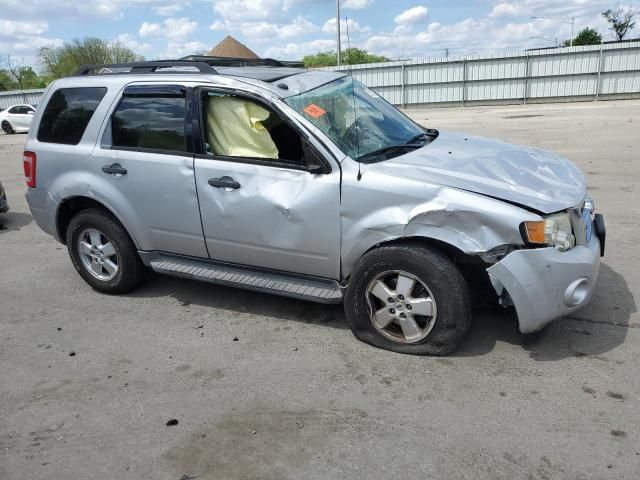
{"x":16,"y":118}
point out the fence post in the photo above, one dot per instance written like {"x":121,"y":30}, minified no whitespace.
{"x":464,"y":81}
{"x":527,"y":74}
{"x":598,"y":80}
{"x":403,"y":84}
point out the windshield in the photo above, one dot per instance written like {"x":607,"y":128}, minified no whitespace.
{"x":379,"y":127}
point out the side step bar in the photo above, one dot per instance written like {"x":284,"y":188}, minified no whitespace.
{"x":289,"y":285}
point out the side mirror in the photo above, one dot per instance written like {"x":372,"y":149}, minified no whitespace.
{"x":313,"y":160}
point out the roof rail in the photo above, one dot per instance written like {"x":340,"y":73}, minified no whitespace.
{"x":143,"y":67}
{"x":241,"y":62}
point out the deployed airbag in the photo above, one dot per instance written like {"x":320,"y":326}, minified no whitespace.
{"x":235,"y":128}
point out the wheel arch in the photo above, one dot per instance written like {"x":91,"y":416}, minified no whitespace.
{"x":449,"y":250}
{"x":472,"y":267}
{"x":71,"y":206}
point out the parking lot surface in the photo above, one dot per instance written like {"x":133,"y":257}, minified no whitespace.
{"x":273,"y":388}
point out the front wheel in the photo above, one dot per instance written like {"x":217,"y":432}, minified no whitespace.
{"x":408,"y":299}
{"x":102,"y":252}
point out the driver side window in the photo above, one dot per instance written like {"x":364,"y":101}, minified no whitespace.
{"x":236,"y":126}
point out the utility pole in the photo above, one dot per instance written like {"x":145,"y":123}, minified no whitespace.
{"x":338,"y":27}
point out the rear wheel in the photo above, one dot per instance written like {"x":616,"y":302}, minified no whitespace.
{"x":102,"y":252}
{"x":7,"y":128}
{"x":408,"y":299}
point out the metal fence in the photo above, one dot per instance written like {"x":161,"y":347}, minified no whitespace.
{"x":13,"y":97}
{"x":556,"y":74}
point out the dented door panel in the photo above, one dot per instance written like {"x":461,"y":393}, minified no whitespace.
{"x":278,"y":218}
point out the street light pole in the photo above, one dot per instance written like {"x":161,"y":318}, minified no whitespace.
{"x":570,"y":21}
{"x":338,"y":27}
{"x":573,"y":21}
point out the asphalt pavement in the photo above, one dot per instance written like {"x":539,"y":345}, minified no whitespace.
{"x":273,"y":388}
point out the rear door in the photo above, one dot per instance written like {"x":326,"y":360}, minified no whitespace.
{"x":146,"y":153}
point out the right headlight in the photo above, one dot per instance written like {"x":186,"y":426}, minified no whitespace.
{"x":554,"y":231}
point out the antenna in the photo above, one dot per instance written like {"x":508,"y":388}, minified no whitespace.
{"x":353,"y":94}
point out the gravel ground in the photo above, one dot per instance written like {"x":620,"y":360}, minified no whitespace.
{"x":272,"y":388}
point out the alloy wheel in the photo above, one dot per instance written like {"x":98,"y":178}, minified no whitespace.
{"x":402,"y":307}
{"x":98,"y":255}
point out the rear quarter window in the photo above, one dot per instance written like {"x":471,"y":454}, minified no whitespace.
{"x":68,"y":113}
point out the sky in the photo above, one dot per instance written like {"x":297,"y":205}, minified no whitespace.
{"x":290,"y":29}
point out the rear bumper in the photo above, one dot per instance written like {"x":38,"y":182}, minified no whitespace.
{"x":43,"y":210}
{"x":545,"y":284}
{"x":4,"y":205}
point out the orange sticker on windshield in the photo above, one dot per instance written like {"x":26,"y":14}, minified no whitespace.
{"x":314,"y":110}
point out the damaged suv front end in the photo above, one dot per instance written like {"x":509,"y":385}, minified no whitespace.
{"x":520,"y":212}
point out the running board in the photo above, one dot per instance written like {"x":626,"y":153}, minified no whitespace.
{"x":268,"y":281}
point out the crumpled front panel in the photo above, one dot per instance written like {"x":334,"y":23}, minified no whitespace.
{"x":380,"y":208}
{"x":528,"y":176}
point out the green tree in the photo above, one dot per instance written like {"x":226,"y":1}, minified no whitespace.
{"x":586,"y":36}
{"x":65,"y":60}
{"x":621,"y":19}
{"x":7,"y":81}
{"x":28,"y":79}
{"x":350,"y":56}
{"x":17,"y":76}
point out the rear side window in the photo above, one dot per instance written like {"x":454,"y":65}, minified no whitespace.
{"x":68,"y":113}
{"x":150,"y":121}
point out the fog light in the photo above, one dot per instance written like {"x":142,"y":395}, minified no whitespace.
{"x":577,"y":292}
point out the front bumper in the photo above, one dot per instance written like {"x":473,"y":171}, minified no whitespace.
{"x":545,"y":284}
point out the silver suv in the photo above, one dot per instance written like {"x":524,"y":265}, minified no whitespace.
{"x":306,"y":184}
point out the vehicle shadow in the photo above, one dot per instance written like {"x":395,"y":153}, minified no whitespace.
{"x":13,"y":221}
{"x":189,"y":292}
{"x":594,"y":330}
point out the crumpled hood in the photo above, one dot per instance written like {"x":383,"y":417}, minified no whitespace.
{"x":524,"y":175}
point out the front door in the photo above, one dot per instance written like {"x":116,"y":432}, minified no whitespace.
{"x":261,"y":205}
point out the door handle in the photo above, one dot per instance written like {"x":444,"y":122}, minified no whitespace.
{"x":224,"y":182}
{"x":115,"y":168}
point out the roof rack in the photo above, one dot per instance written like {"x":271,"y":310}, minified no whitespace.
{"x":241,"y":62}
{"x":144,"y":67}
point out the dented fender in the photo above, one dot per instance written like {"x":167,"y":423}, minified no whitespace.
{"x":378,"y":209}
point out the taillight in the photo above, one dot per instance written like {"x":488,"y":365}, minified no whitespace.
{"x":29,"y":163}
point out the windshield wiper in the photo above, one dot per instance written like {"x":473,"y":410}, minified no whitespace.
{"x":390,"y":149}
{"x":418,"y":137}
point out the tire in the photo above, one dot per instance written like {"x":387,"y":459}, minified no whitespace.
{"x":7,"y":128}
{"x":439,"y":292}
{"x":81,"y":233}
